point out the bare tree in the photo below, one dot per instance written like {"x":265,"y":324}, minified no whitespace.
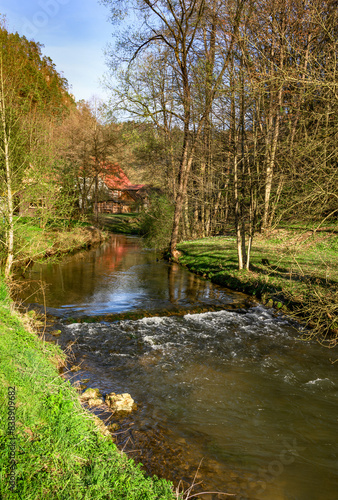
{"x":90,"y":143}
{"x":33,"y":99}
{"x":179,"y":28}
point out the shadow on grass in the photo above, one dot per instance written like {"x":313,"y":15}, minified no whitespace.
{"x":121,"y":223}
{"x":290,"y":275}
{"x":209,"y":263}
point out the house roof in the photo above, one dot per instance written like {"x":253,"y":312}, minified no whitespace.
{"x":134,"y":187}
{"x":114,"y":178}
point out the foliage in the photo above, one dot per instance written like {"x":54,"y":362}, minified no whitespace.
{"x":38,"y":86}
{"x":59,"y":450}
{"x":33,"y":101}
{"x":156,"y":222}
{"x":89,"y":141}
{"x":57,"y":238}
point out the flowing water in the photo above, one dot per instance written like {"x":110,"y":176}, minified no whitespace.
{"x":238,"y":388}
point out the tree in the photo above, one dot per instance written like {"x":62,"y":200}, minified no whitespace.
{"x":25,"y":101}
{"x":244,"y":96}
{"x":178,"y":28}
{"x":90,"y":142}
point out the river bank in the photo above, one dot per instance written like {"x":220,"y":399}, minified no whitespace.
{"x":53,"y":448}
{"x":120,"y":223}
{"x":294,"y":271}
{"x":171,"y":366}
{"x":37,"y":244}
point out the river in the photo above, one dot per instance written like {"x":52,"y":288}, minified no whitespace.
{"x":234,"y":386}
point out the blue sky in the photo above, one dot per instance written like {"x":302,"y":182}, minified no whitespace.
{"x":74,"y":34}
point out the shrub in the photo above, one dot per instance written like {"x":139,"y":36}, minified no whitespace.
{"x":156,"y":222}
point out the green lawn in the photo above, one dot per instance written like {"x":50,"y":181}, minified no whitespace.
{"x":301,"y":274}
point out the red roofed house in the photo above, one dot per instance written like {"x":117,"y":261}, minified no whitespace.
{"x":116,"y":192}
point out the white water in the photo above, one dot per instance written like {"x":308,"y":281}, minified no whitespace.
{"x":241,"y":389}
{"x":257,"y":398}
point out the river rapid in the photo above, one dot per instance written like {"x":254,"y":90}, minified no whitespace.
{"x":235,"y":387}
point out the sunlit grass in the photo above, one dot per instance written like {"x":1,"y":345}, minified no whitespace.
{"x":120,"y":223}
{"x":60,"y":453}
{"x":34,"y":242}
{"x":301,"y":273}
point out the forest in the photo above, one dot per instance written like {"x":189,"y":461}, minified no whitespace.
{"x":48,"y":146}
{"x":226,"y":112}
{"x":228,"y":108}
{"x":238,"y":104}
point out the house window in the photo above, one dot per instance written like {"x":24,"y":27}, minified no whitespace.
{"x":116,"y":193}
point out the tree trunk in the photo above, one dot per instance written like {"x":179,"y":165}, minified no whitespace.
{"x":96,"y":209}
{"x":10,"y":201}
{"x":10,"y":212}
{"x":181,"y":195}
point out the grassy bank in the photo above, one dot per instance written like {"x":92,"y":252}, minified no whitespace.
{"x":33,"y":243}
{"x":120,"y":223}
{"x":292,"y":270}
{"x":59,"y":451}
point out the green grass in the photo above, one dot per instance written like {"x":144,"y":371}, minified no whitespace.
{"x":301,"y":277}
{"x":60,"y":452}
{"x":120,"y":223}
{"x":34,"y":242}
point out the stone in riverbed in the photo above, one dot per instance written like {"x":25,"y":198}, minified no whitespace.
{"x":121,"y":403}
{"x":90,"y":394}
{"x":94,"y":402}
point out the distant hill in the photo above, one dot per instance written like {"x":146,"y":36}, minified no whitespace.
{"x":32,"y":75}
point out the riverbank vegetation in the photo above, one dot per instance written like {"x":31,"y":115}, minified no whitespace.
{"x":34,"y":243}
{"x":233,"y":118}
{"x":234,"y":106}
{"x":232,"y":109}
{"x":33,"y":100}
{"x":292,"y":270}
{"x":51,"y":153}
{"x":120,"y":223}
{"x":59,"y":450}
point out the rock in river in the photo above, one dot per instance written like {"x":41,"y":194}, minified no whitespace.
{"x":120,"y":402}
{"x":91,"y":397}
{"x":94,"y":402}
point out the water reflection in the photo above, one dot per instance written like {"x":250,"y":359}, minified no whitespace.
{"x":235,"y":387}
{"x":119,"y":276}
